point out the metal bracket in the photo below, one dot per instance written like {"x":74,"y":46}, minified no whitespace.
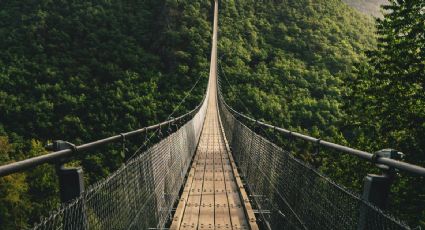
{"x":71,"y":184}
{"x":376,"y":188}
{"x":71,"y":180}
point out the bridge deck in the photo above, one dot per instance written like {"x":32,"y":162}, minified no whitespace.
{"x":213,"y":196}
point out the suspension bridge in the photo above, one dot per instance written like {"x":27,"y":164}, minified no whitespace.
{"x":214,"y":172}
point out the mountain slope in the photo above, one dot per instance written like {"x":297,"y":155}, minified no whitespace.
{"x":290,"y":59}
{"x":288,"y":64}
{"x":84,"y":70}
{"x":369,"y":7}
{"x":291,"y":63}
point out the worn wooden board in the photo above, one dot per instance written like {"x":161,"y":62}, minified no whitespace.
{"x":213,"y":196}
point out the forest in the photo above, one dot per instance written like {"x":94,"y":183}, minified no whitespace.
{"x":81,"y":71}
{"x":84,"y":70}
{"x":330,"y":72}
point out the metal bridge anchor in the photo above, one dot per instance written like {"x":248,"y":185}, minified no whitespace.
{"x":71,"y":186}
{"x":376,"y":188}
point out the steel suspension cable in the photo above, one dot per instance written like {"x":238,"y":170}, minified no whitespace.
{"x":66,"y":153}
{"x":411,"y":168}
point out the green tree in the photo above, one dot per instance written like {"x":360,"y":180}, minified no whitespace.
{"x":387,"y":101}
{"x":81,"y":71}
{"x":43,"y":186}
{"x":14,"y":203}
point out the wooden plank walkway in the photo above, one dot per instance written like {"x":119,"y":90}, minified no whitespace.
{"x":213,"y":196}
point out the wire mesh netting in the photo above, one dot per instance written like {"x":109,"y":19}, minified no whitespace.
{"x":139,"y":195}
{"x":288,"y":193}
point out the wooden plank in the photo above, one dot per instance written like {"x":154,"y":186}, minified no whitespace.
{"x":250,"y":218}
{"x":216,"y":198}
{"x":178,"y":215}
{"x":206,"y":212}
{"x":222,"y":212}
{"x":191,"y":212}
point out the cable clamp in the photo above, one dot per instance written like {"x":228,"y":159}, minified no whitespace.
{"x":318,"y":142}
{"x":73,"y":147}
{"x":160,"y":131}
{"x":375,"y":157}
{"x":122,"y":135}
{"x":317,"y":146}
{"x":59,"y":145}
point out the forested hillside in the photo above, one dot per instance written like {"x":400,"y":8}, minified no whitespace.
{"x":84,"y":70}
{"x":288,"y":64}
{"x":290,"y":60}
{"x":369,"y":7}
{"x":301,"y":65}
{"x":386,"y":103}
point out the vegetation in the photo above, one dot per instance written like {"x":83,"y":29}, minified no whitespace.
{"x":387,"y":99}
{"x":369,"y":7}
{"x":290,"y":59}
{"x":302,"y":65}
{"x":84,"y":70}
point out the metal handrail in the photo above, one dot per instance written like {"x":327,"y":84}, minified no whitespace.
{"x":62,"y":154}
{"x":411,"y":168}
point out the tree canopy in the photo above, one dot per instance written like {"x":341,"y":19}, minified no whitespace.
{"x":321,"y":68}
{"x":84,"y":70}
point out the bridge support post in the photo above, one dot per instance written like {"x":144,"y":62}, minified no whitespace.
{"x":71,"y":186}
{"x":71,"y":183}
{"x":376,"y":189}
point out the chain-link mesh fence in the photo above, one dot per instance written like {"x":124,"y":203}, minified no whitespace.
{"x":288,"y":193}
{"x":139,"y":195}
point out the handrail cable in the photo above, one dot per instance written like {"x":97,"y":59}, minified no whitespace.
{"x":252,"y":160}
{"x":54,"y":156}
{"x":407,"y":167}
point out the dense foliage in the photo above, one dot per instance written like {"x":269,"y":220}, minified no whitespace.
{"x":302,"y":65}
{"x":84,"y":70}
{"x":289,"y":60}
{"x":387,"y":99}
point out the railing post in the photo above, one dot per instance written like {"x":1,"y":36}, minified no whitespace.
{"x":376,"y":188}
{"x":71,"y":183}
{"x":71,"y":186}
